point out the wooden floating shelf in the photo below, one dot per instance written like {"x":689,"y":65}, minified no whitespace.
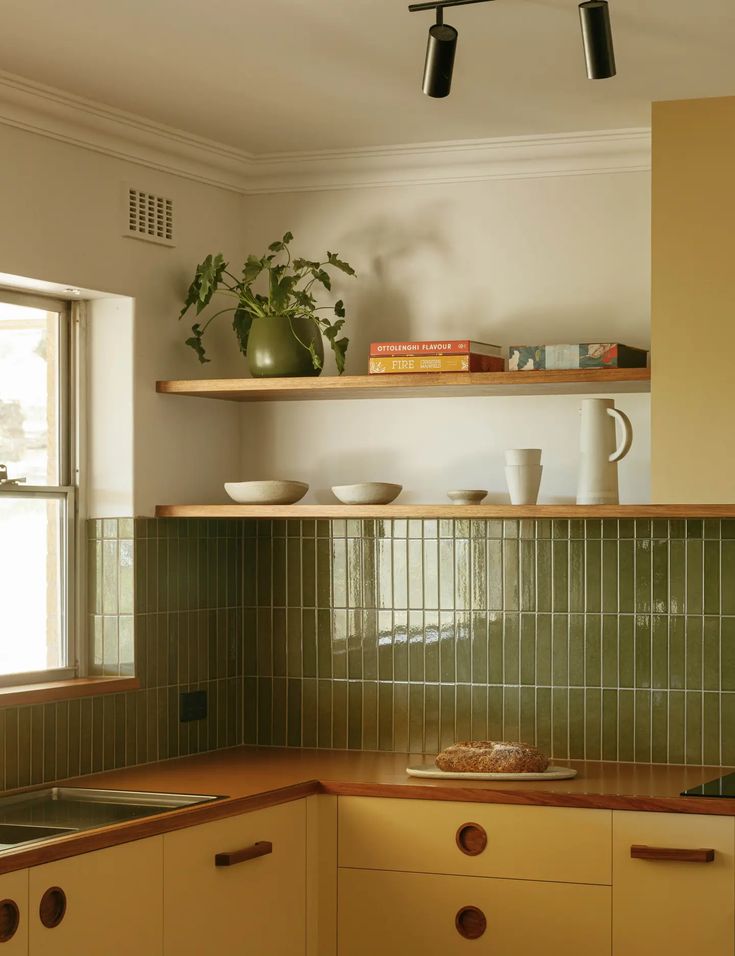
{"x":445,"y":511}
{"x":441,"y":385}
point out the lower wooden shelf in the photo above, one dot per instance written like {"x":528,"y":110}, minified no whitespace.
{"x":428,"y":511}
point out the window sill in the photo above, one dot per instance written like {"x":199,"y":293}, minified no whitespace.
{"x":65,"y":690}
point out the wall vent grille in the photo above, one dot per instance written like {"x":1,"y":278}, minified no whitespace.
{"x":149,"y":217}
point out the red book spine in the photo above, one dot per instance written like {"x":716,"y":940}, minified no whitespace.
{"x":427,"y":347}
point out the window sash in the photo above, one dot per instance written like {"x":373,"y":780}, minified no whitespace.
{"x":66,"y":492}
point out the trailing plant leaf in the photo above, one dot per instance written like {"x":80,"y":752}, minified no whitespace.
{"x":339,"y":309}
{"x":195,"y":342}
{"x":207,"y":278}
{"x":241,"y":323}
{"x":338,"y":263}
{"x":252,"y":268}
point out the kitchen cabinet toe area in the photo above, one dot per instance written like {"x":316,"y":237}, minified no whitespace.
{"x":398,"y":913}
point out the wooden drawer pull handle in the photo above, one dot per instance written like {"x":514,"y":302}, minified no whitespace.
{"x":52,"y":908}
{"x":240,"y":856}
{"x":470,"y":922}
{"x":671,"y":854}
{"x":471,"y":839}
{"x":9,"y":920}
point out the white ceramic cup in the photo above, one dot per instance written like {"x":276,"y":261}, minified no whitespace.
{"x":523,"y":456}
{"x":524,"y":482}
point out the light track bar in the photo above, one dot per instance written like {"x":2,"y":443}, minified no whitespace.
{"x":440,"y":4}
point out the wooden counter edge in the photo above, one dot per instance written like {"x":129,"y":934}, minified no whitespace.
{"x":117,"y":834}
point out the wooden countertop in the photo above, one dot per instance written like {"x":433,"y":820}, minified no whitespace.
{"x":251,"y":777}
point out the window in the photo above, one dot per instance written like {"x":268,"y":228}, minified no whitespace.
{"x":38,"y":496}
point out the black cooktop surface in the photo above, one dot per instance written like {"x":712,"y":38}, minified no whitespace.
{"x":722,"y":787}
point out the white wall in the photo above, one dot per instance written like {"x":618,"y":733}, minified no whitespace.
{"x":61,"y":223}
{"x":553,"y":259}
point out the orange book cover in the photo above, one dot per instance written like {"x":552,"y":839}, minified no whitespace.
{"x":412,"y":364}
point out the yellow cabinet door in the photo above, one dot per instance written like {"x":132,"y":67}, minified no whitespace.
{"x":107,"y":902}
{"x":669,"y":907}
{"x":396,"y":914}
{"x":14,"y":913}
{"x":555,"y":844}
{"x":257,"y":906}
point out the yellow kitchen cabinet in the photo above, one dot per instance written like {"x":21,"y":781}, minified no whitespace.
{"x":14,"y":913}
{"x":105,"y":903}
{"x":256,"y":904}
{"x":393,"y":914}
{"x":677,"y":906}
{"x":522,"y":843}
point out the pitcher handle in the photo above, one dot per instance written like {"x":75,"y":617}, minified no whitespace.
{"x":627,"y":440}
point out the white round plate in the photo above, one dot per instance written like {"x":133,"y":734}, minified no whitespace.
{"x":266,"y":492}
{"x":551,"y":773}
{"x":367,"y":493}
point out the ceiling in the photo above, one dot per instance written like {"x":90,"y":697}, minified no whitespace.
{"x":285,"y":75}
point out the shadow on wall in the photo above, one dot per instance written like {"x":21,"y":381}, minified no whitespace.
{"x":402,"y":256}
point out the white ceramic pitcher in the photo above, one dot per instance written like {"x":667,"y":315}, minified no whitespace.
{"x":599,"y":451}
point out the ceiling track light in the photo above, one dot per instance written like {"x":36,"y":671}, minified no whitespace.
{"x":441,"y":47}
{"x":594,"y":15}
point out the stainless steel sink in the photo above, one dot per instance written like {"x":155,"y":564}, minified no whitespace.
{"x":41,"y":815}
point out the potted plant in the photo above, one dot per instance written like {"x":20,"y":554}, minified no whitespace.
{"x":279,"y":329}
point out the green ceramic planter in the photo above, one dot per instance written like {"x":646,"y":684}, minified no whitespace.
{"x":275,"y":352}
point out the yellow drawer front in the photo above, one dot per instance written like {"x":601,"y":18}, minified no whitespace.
{"x":525,"y":843}
{"x":397,"y":914}
{"x":667,"y":907}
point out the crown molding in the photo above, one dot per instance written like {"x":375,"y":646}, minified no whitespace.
{"x":67,"y":118}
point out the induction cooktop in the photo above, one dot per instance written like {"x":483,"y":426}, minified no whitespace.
{"x":722,"y":787}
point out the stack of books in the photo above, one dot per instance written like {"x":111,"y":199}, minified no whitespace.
{"x":437,"y":355}
{"x":522,"y":358}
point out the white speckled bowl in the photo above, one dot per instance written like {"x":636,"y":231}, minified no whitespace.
{"x":266,"y":492}
{"x":467,"y":496}
{"x":367,"y":493}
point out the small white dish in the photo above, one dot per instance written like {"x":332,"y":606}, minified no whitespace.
{"x":434,"y":773}
{"x":367,"y":493}
{"x":266,"y":492}
{"x":467,"y":496}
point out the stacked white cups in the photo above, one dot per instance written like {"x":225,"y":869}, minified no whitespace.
{"x":523,"y":470}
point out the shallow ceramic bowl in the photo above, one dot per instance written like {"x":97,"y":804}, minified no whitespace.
{"x":467,"y":496}
{"x":266,"y":492}
{"x":367,"y":493}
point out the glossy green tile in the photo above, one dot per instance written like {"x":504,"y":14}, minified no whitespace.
{"x":677,"y":727}
{"x":694,"y":647}
{"x":560,"y":721}
{"x":592,"y":625}
{"x":576,"y":723}
{"x":511,"y":649}
{"x":642,"y":637}
{"x":576,"y":650}
{"x":591,"y":712}
{"x":642,"y":744}
{"x":626,"y":725}
{"x":560,"y":650}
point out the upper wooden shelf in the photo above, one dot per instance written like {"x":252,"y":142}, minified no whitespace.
{"x":445,"y":511}
{"x":443,"y":385}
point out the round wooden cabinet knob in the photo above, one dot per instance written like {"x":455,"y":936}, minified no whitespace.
{"x":471,"y":839}
{"x":470,"y":922}
{"x":52,"y":908}
{"x":9,"y":920}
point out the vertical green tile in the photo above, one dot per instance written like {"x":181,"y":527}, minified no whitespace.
{"x":694,"y":576}
{"x":576,"y":651}
{"x":479,"y":727}
{"x":593,"y":650}
{"x":543,"y":649}
{"x":447,"y":713}
{"x":593,"y":724}
{"x":560,"y":722}
{"x":528,"y":649}
{"x":593,"y":576}
{"x":511,"y":713}
{"x":727,"y":653}
{"x":609,"y":599}
{"x":544,"y":581}
{"x":576,"y":575}
{"x":543,"y":719}
{"x":693,"y":706}
{"x":511,"y":649}
{"x":727,"y":566}
{"x":642,"y":651}
{"x":677,"y":727}
{"x":643,"y":726}
{"x":659,"y":726}
{"x":660,"y":651}
{"x":711,"y":729}
{"x":626,"y":651}
{"x":626,"y":576}
{"x":609,"y":651}
{"x":626,"y":725}
{"x":693,"y":635}
{"x":643,"y":576}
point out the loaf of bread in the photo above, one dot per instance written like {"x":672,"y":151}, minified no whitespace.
{"x":492,"y":756}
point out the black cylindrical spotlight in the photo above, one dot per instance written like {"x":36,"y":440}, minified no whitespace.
{"x":594,"y":16}
{"x":439,"y":60}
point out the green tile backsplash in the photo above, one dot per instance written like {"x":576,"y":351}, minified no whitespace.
{"x":608,"y":639}
{"x":165,"y":603}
